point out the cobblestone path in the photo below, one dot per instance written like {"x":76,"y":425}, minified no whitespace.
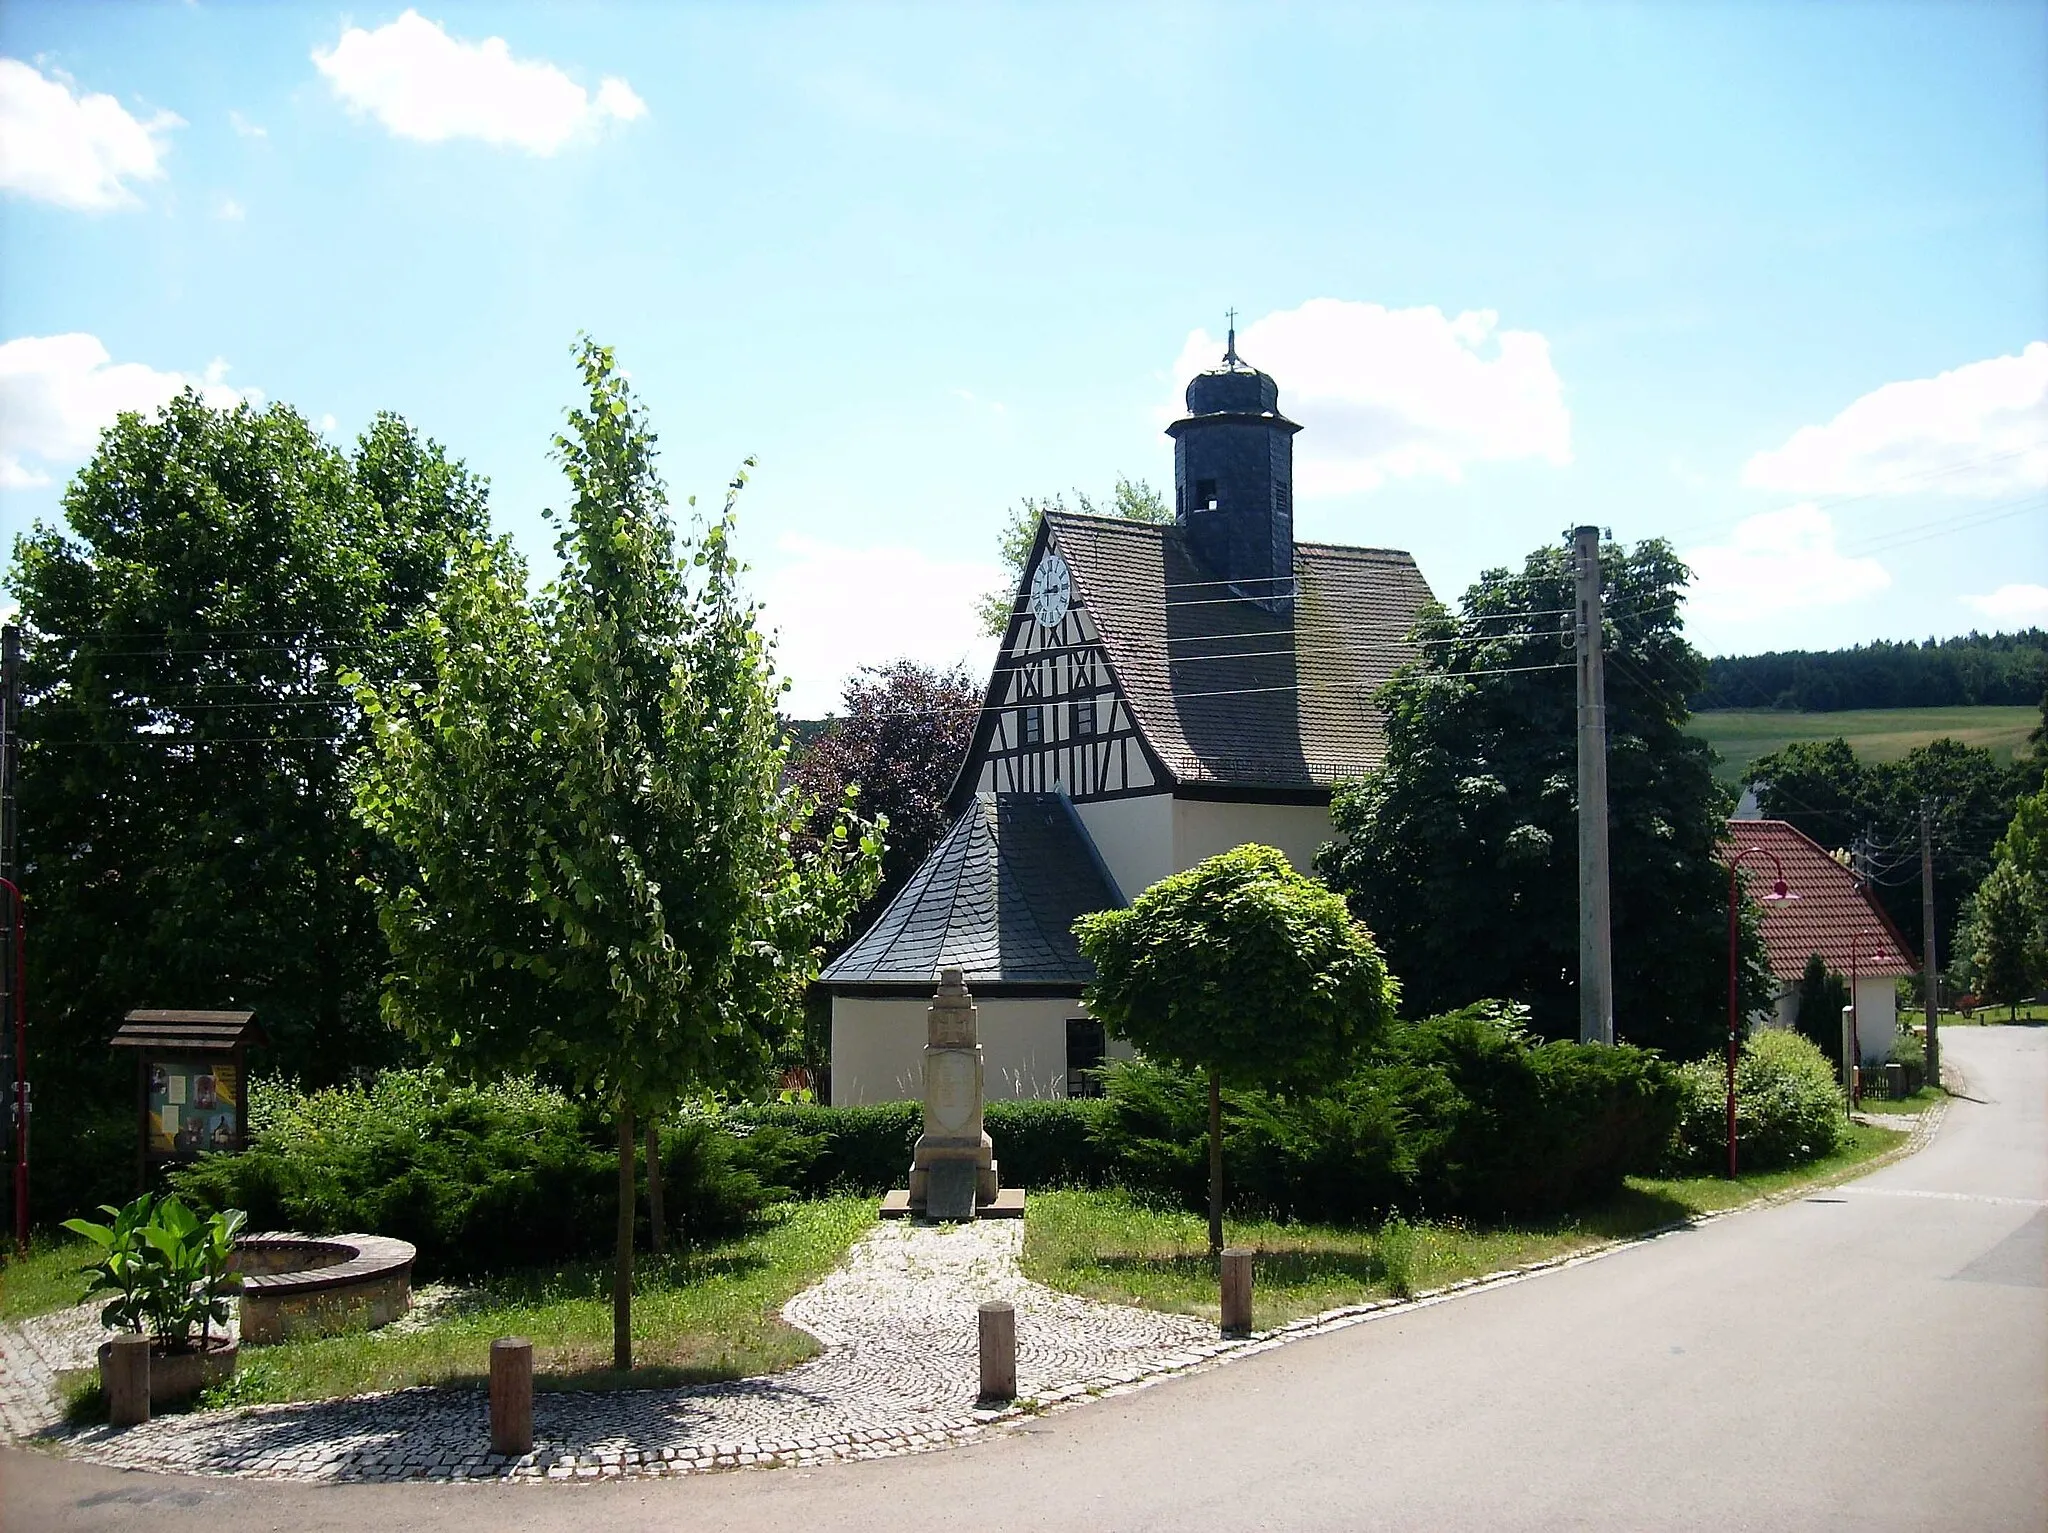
{"x":898,"y":1375}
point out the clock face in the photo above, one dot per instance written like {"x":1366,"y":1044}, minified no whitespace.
{"x":1052,"y":589}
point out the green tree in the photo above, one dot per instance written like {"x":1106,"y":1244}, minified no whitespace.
{"x":1822,"y":995}
{"x":1244,"y":969}
{"x":2008,"y":958}
{"x":595,"y":877}
{"x":1132,"y":499}
{"x":186,"y":830}
{"x":1461,"y":852}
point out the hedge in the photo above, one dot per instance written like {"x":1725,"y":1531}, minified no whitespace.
{"x":1788,"y":1108}
{"x":1051,"y":1143}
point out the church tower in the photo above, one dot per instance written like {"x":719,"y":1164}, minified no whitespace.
{"x":1233,"y":480}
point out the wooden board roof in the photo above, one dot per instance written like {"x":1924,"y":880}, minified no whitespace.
{"x":188,"y":1032}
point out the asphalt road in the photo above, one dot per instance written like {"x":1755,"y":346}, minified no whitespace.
{"x":1874,"y":1357}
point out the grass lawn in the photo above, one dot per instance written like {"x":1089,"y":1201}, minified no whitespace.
{"x":46,"y":1279}
{"x":1105,"y":1246}
{"x":697,"y":1317}
{"x":1741,"y":735}
{"x":1996,"y":1016}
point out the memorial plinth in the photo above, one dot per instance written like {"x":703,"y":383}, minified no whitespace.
{"x":953,"y":1171}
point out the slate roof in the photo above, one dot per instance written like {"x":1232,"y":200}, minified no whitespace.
{"x":1226,"y":692}
{"x":1831,"y":911}
{"x":997,"y":897}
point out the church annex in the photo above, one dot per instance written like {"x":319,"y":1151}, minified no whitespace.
{"x":1163,"y":693}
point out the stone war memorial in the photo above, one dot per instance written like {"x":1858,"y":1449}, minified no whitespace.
{"x":953,"y":1171}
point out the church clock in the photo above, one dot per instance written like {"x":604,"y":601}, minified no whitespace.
{"x":1052,"y":589}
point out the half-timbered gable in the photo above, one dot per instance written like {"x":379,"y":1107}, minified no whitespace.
{"x":1181,"y":689}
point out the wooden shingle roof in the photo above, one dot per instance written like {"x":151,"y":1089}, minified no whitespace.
{"x":1226,"y":692}
{"x":997,"y":898}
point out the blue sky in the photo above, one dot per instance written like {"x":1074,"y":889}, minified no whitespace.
{"x":1771,"y":281}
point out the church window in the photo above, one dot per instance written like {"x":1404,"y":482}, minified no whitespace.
{"x":1205,"y":495}
{"x":1034,"y":726}
{"x":1084,"y":717}
{"x":1087,"y":1048}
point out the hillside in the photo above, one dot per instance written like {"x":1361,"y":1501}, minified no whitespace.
{"x":1876,"y":734}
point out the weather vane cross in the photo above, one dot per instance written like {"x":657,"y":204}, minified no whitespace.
{"x":1230,"y":350}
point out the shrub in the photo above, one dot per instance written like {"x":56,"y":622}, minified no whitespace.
{"x":1463,"y":1113}
{"x":1049,"y":1143}
{"x":1787,"y":1106}
{"x":165,"y":1266}
{"x":1503,"y":1124}
{"x":477,"y":1177}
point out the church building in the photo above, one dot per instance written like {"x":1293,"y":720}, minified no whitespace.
{"x":1163,"y":693}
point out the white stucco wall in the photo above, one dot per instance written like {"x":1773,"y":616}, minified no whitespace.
{"x":1203,"y":827}
{"x":1877,"y":1017}
{"x":878,"y":1048}
{"x":1134,"y":837}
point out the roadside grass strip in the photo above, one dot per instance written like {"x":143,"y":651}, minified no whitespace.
{"x":1106,"y":1246}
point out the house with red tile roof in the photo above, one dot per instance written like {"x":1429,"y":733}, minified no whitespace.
{"x":1834,"y":916}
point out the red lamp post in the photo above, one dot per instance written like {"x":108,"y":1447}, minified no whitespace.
{"x":1778,"y":893}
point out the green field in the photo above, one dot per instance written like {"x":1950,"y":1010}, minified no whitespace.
{"x":1876,"y":734}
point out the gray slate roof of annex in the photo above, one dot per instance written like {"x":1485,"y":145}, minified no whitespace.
{"x":1226,"y":692}
{"x":997,"y":898}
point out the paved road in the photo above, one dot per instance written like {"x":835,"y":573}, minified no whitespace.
{"x":1873,"y":1358}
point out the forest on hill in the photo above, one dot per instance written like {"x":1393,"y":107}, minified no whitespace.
{"x":2009,"y":669}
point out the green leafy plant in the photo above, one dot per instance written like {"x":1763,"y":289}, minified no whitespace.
{"x":1244,"y":969}
{"x":166,"y":1266}
{"x":1788,"y":1108}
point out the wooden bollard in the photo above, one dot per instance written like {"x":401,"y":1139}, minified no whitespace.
{"x":512,"y":1396}
{"x":127,"y":1381}
{"x":1237,"y":1291}
{"x":998,"y":1350}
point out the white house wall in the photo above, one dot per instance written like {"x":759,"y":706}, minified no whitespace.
{"x":1134,"y":838}
{"x":878,"y":1047}
{"x":1204,"y":827}
{"x":1877,"y":1017}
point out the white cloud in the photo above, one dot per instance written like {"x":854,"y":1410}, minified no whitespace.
{"x":838,"y":609}
{"x":2020,"y":606}
{"x":1979,"y":430}
{"x":423,"y":84}
{"x":1399,"y":393}
{"x":79,"y":151}
{"x":230,"y":211}
{"x":57,"y":392}
{"x":245,"y":128}
{"x":1780,"y":561}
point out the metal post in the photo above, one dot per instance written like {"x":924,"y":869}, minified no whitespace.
{"x":1930,"y":973}
{"x":1734,"y":931}
{"x":1848,"y":1063}
{"x":1596,"y":956}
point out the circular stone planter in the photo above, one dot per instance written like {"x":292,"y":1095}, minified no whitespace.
{"x":175,"y":1377}
{"x":306,"y":1285}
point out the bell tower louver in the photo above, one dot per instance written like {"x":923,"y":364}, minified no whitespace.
{"x":1233,"y":480}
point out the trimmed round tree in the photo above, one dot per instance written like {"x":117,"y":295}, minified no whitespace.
{"x":1241,"y":968}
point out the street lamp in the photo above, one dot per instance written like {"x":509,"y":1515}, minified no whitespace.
{"x":20,"y":1070}
{"x":1778,"y":893}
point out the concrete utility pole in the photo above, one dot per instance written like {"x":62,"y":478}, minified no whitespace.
{"x":1930,"y":972}
{"x":1596,"y":952}
{"x":15,"y":1068}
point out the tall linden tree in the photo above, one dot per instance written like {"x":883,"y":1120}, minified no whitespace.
{"x":594,"y":875}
